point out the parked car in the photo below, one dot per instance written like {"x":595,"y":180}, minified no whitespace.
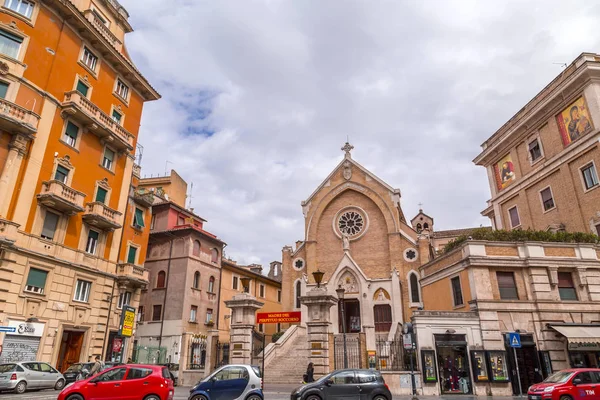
{"x":22,"y":376}
{"x":571,"y":384}
{"x":347,"y":384}
{"x":110,"y":364}
{"x":75,"y":370}
{"x":230,"y":382}
{"x":174,"y":371}
{"x":130,"y":381}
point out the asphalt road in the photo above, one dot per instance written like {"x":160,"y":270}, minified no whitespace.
{"x":181,"y":393}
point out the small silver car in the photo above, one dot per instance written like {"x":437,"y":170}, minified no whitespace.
{"x":22,"y":376}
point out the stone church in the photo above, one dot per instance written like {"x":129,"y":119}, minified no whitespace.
{"x":356,"y":233}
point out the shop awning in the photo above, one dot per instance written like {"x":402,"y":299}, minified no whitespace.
{"x":579,"y":333}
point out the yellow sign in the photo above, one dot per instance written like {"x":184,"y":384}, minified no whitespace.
{"x":127,"y":321}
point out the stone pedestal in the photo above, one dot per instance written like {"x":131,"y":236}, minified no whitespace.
{"x":318,"y":325}
{"x":243,"y":316}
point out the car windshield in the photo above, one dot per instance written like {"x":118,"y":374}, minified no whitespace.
{"x":74,"y":368}
{"x":256,"y":371}
{"x":7,"y":367}
{"x":559,"y":377}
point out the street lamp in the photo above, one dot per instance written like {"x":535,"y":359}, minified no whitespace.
{"x":245,"y":284}
{"x":340,"y":293}
{"x":318,"y":275}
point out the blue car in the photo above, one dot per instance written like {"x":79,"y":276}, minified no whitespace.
{"x":230,"y":382}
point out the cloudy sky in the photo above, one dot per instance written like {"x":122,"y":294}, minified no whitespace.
{"x":259,"y":96}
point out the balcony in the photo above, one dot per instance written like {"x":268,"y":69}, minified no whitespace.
{"x":59,"y":196}
{"x":101,"y":216}
{"x":16,"y":119}
{"x":103,"y":29}
{"x":143,"y":198}
{"x":97,"y":121}
{"x":134,"y":275}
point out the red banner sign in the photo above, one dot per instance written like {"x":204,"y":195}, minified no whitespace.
{"x":278,"y":317}
{"x":117,"y":345}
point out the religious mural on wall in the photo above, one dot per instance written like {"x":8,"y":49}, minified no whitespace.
{"x":574,"y":121}
{"x":505,"y":172}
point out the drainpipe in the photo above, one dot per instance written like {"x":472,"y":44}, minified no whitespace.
{"x":220,"y":285}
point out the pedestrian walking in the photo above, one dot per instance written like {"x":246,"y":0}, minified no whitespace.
{"x":309,"y":375}
{"x":97,"y":366}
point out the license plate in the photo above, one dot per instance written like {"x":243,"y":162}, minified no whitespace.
{"x":535,"y":397}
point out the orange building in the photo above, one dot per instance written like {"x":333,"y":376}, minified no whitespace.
{"x":73,"y":227}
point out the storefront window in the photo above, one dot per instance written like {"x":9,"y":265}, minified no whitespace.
{"x":428,"y":364}
{"x":498,"y":368}
{"x":454,"y":369}
{"x":480,"y":373}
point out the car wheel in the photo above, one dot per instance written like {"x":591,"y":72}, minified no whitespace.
{"x":566,"y":398}
{"x":60,"y":384}
{"x":152,"y":397}
{"x":313,"y":397}
{"x":199,"y":397}
{"x":254,"y":397}
{"x":75,"y":397}
{"x":21,"y":387}
{"x":380,"y":397}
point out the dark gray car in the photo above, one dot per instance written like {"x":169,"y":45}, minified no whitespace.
{"x":346,"y":384}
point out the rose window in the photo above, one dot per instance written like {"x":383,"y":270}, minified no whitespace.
{"x":351,"y":223}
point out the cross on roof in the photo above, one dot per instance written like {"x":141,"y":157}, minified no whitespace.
{"x":347,"y":149}
{"x":421,"y":207}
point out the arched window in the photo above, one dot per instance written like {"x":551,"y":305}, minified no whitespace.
{"x":425,"y":225}
{"x":419,"y":228}
{"x":298,"y":293}
{"x":211,"y":284}
{"x":196,"y":249}
{"x":160,"y":279}
{"x":197,"y":280}
{"x":214,"y":255}
{"x":414,"y":289}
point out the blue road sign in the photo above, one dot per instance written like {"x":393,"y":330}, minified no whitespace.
{"x":514,"y":339}
{"x":8,"y":329}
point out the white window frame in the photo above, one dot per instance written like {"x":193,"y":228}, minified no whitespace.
{"x":211,"y":314}
{"x":595,"y":171}
{"x":510,"y":219}
{"x":536,"y":138}
{"x":82,"y":291}
{"x":124,"y":300}
{"x":86,"y":55}
{"x":8,"y":3}
{"x":193,"y":313}
{"x":110,"y":167}
{"x":122,"y":90}
{"x":93,"y":247}
{"x":542,"y":200}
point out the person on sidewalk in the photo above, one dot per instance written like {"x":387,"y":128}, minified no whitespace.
{"x":309,"y":375}
{"x":97,"y":367}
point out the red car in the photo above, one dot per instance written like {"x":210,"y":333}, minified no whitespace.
{"x":124,"y":382}
{"x":568,"y":384}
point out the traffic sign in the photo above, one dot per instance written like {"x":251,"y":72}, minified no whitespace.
{"x":407,"y":339}
{"x":514,"y":339}
{"x":8,"y":329}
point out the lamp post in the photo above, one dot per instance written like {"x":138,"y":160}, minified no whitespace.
{"x":340,"y":293}
{"x":245,"y":284}
{"x":318,"y":275}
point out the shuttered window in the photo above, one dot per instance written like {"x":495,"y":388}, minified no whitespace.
{"x":131,"y":255}
{"x":3,"y":89}
{"x":50,"y":224}
{"x":36,"y":280}
{"x":10,"y":44}
{"x":535,"y":151}
{"x":383,"y":317}
{"x":138,"y":219}
{"x":507,"y":285}
{"x":457,"y":292}
{"x":61,"y":174}
{"x":82,"y":88}
{"x":101,"y":195}
{"x":566,"y":288}
{"x":71,"y":133}
{"x":92,"y":242}
{"x":108,"y":159}
{"x":547,"y":200}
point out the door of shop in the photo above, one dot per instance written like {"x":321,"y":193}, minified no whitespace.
{"x":529,"y":365}
{"x":453,"y":364}
{"x":70,"y":349}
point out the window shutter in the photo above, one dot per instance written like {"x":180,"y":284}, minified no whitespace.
{"x":565,"y":280}
{"x":72,"y":130}
{"x":101,"y":195}
{"x":546,"y":195}
{"x":61,"y":173}
{"x":506,"y":279}
{"x":3,"y":89}
{"x":11,"y":36}
{"x":131,"y":255}
{"x":139,"y":218}
{"x":109,"y":154}
{"x":82,"y":88}
{"x":37,"y":278}
{"x":94,"y":235}
{"x":50,"y":223}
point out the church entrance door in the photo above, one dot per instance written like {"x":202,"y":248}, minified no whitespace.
{"x":352,"y":314}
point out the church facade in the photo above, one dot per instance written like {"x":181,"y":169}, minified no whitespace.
{"x":357,"y":235}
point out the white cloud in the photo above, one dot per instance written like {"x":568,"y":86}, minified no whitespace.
{"x":416,"y":85}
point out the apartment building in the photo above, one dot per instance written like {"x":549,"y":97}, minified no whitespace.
{"x":73,"y":228}
{"x":266,"y":289}
{"x":476,"y":294}
{"x":543,"y":163}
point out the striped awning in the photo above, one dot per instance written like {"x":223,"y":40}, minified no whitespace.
{"x":579,"y":333}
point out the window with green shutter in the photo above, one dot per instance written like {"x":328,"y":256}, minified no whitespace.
{"x":61,"y":174}
{"x":82,"y":88}
{"x":36,"y":280}
{"x":101,"y":195}
{"x":107,"y":160}
{"x":138,"y":220}
{"x":71,"y":133}
{"x":3,"y":89}
{"x":116,"y":116}
{"x":131,"y":255}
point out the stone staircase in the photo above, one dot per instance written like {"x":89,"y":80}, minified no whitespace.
{"x":287,"y":359}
